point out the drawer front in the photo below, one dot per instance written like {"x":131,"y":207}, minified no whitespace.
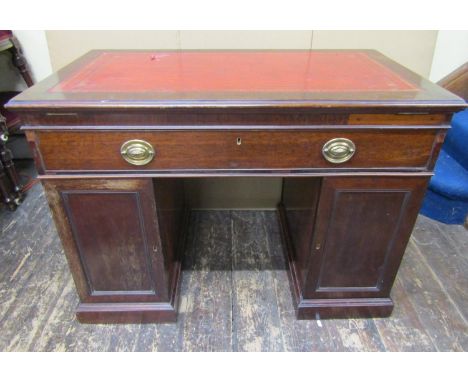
{"x":87,"y":150}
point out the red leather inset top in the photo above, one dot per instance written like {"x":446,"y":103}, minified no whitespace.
{"x":257,"y":71}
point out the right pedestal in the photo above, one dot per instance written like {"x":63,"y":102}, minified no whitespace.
{"x":345,"y":238}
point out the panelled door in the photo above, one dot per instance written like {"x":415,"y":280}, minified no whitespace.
{"x":109,"y":230}
{"x":362,"y":227}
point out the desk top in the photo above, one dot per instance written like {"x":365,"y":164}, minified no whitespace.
{"x":331,"y":78}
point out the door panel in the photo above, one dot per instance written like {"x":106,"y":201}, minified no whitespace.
{"x":362,"y":227}
{"x":110,"y":233}
{"x":352,"y":258}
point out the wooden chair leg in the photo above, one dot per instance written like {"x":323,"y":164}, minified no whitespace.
{"x":6,"y":157}
{"x":5,"y":187}
{"x":10,"y":186}
{"x":20,"y":62}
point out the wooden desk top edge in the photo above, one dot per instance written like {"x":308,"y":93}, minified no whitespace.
{"x":430,"y":96}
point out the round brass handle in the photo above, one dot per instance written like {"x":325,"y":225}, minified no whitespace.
{"x":338,"y":150}
{"x":137,"y":152}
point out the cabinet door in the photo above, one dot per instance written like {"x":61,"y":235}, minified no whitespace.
{"x":362,"y":228}
{"x":109,"y":230}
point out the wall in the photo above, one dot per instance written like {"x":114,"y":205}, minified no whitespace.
{"x":413,"y":49}
{"x":451,"y":51}
{"x":36,"y":51}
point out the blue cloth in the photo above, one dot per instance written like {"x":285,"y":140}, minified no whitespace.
{"x":450,"y":179}
{"x":447,"y":197}
{"x":442,"y":209}
{"x":456,"y":141}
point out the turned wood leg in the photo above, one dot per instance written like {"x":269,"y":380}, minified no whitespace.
{"x":4,"y":183}
{"x":5,"y":187}
{"x":20,"y":62}
{"x":7,"y":158}
{"x":10,"y":184}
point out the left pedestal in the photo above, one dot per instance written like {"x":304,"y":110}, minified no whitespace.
{"x":122,"y":239}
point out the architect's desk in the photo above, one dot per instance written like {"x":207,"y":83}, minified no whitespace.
{"x":353,"y":135}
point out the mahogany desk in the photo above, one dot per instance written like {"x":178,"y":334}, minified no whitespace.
{"x":353,"y":135}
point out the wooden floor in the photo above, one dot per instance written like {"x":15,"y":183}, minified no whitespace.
{"x":234,"y":296}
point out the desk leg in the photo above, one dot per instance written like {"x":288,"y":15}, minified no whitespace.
{"x":122,"y":239}
{"x":20,"y":62}
{"x":345,"y":239}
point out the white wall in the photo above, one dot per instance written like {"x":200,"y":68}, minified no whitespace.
{"x":36,"y":51}
{"x":412,"y":48}
{"x":10,"y":79}
{"x":451,"y":51}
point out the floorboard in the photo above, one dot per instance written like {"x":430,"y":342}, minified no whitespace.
{"x":256,"y":320}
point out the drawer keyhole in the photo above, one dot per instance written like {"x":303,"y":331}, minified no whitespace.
{"x":239,"y":141}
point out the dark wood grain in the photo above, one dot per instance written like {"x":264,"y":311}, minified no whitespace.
{"x":109,"y":230}
{"x":199,"y":118}
{"x":19,"y":61}
{"x":11,"y":189}
{"x":112,"y":246}
{"x":299,"y":199}
{"x":398,"y":119}
{"x":369,"y":220}
{"x":361,"y":230}
{"x":172,"y":218}
{"x":275,"y":149}
{"x":457,"y":81}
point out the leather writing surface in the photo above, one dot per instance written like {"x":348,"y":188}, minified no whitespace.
{"x":180,"y":72}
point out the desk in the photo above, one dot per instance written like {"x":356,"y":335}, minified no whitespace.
{"x":353,"y":135}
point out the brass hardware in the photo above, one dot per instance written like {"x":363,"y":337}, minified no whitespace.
{"x":137,"y":152}
{"x":239,"y":141}
{"x":338,"y":150}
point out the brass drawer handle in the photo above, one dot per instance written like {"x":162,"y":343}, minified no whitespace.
{"x":338,"y":150}
{"x":137,"y":152}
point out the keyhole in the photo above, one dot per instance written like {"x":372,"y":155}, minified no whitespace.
{"x":239,"y":141}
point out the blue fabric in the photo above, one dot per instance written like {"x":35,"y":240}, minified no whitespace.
{"x":443,"y":209}
{"x":456,"y":141}
{"x":447,"y":197}
{"x":450,"y":179}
